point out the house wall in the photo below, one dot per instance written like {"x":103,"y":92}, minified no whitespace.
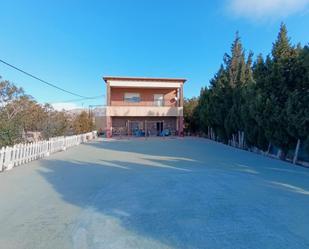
{"x":119,"y":111}
{"x":121,"y":125}
{"x":100,"y":123}
{"x":141,"y":111}
{"x":147,"y":96}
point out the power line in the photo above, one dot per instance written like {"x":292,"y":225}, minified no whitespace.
{"x":41,"y":80}
{"x":77,"y":100}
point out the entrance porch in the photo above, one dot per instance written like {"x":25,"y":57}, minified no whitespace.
{"x":144,"y":126}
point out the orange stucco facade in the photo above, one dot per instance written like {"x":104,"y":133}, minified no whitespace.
{"x":146,"y":95}
{"x":145,"y":114}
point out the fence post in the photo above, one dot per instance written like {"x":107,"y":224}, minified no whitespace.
{"x":23,"y":153}
{"x":7,"y":159}
{"x":63,"y":147}
{"x":46,"y":152}
{"x":14,"y":155}
{"x":296,"y":151}
{"x":279,"y":153}
{"x":27,"y":152}
{"x":18,"y":154}
{"x":1,"y":159}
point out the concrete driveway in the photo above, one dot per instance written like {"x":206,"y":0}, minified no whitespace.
{"x":156,"y":193}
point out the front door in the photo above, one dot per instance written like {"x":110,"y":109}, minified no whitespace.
{"x":159,"y":128}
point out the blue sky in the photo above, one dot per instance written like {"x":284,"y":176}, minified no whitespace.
{"x":74,"y":43}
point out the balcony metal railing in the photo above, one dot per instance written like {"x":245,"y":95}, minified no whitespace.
{"x":145,"y":103}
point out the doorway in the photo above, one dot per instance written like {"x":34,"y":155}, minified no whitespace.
{"x":159,"y":128}
{"x":135,"y":127}
{"x":158,"y":100}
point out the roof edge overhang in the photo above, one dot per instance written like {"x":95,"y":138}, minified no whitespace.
{"x":107,"y":78}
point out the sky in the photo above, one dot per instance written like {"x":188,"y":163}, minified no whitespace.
{"x":73,"y":44}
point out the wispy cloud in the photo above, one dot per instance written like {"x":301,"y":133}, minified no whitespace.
{"x":269,"y":9}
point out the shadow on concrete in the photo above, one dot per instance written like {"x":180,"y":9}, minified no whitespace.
{"x":184,"y":194}
{"x":139,"y":206}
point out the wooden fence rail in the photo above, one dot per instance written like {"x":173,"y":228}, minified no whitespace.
{"x":24,"y":153}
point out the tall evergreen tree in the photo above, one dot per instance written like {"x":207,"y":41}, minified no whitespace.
{"x":283,"y":54}
{"x":236,"y":67}
{"x":282,"y":47}
{"x":297,"y":105}
{"x":216,"y":103}
{"x":267,"y":100}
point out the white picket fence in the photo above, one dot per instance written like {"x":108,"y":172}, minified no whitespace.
{"x":24,"y":153}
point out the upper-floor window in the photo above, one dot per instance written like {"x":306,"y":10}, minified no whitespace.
{"x":132,"y":97}
{"x":158,"y":99}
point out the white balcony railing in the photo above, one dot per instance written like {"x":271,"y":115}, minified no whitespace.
{"x":144,"y":103}
{"x":144,"y":111}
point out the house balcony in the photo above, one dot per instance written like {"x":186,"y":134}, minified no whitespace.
{"x":144,"y":111}
{"x":146,"y":103}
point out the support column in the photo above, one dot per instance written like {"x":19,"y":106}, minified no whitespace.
{"x":180,"y":118}
{"x":108,"y":94}
{"x":108,"y":126}
{"x":181,"y":96}
{"x":180,"y":125}
{"x":108,"y":118}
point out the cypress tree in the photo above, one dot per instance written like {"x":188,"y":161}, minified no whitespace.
{"x":267,"y":100}
{"x":219,"y":102}
{"x":278,"y":92}
{"x":236,"y":67}
{"x":297,"y":105}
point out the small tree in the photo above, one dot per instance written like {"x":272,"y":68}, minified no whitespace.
{"x":10,"y":127}
{"x":190,"y":115}
{"x":56,"y":124}
{"x":83,"y":123}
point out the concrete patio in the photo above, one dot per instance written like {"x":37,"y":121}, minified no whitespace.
{"x":155,"y":193}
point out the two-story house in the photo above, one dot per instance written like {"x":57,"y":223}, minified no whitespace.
{"x":144,"y":106}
